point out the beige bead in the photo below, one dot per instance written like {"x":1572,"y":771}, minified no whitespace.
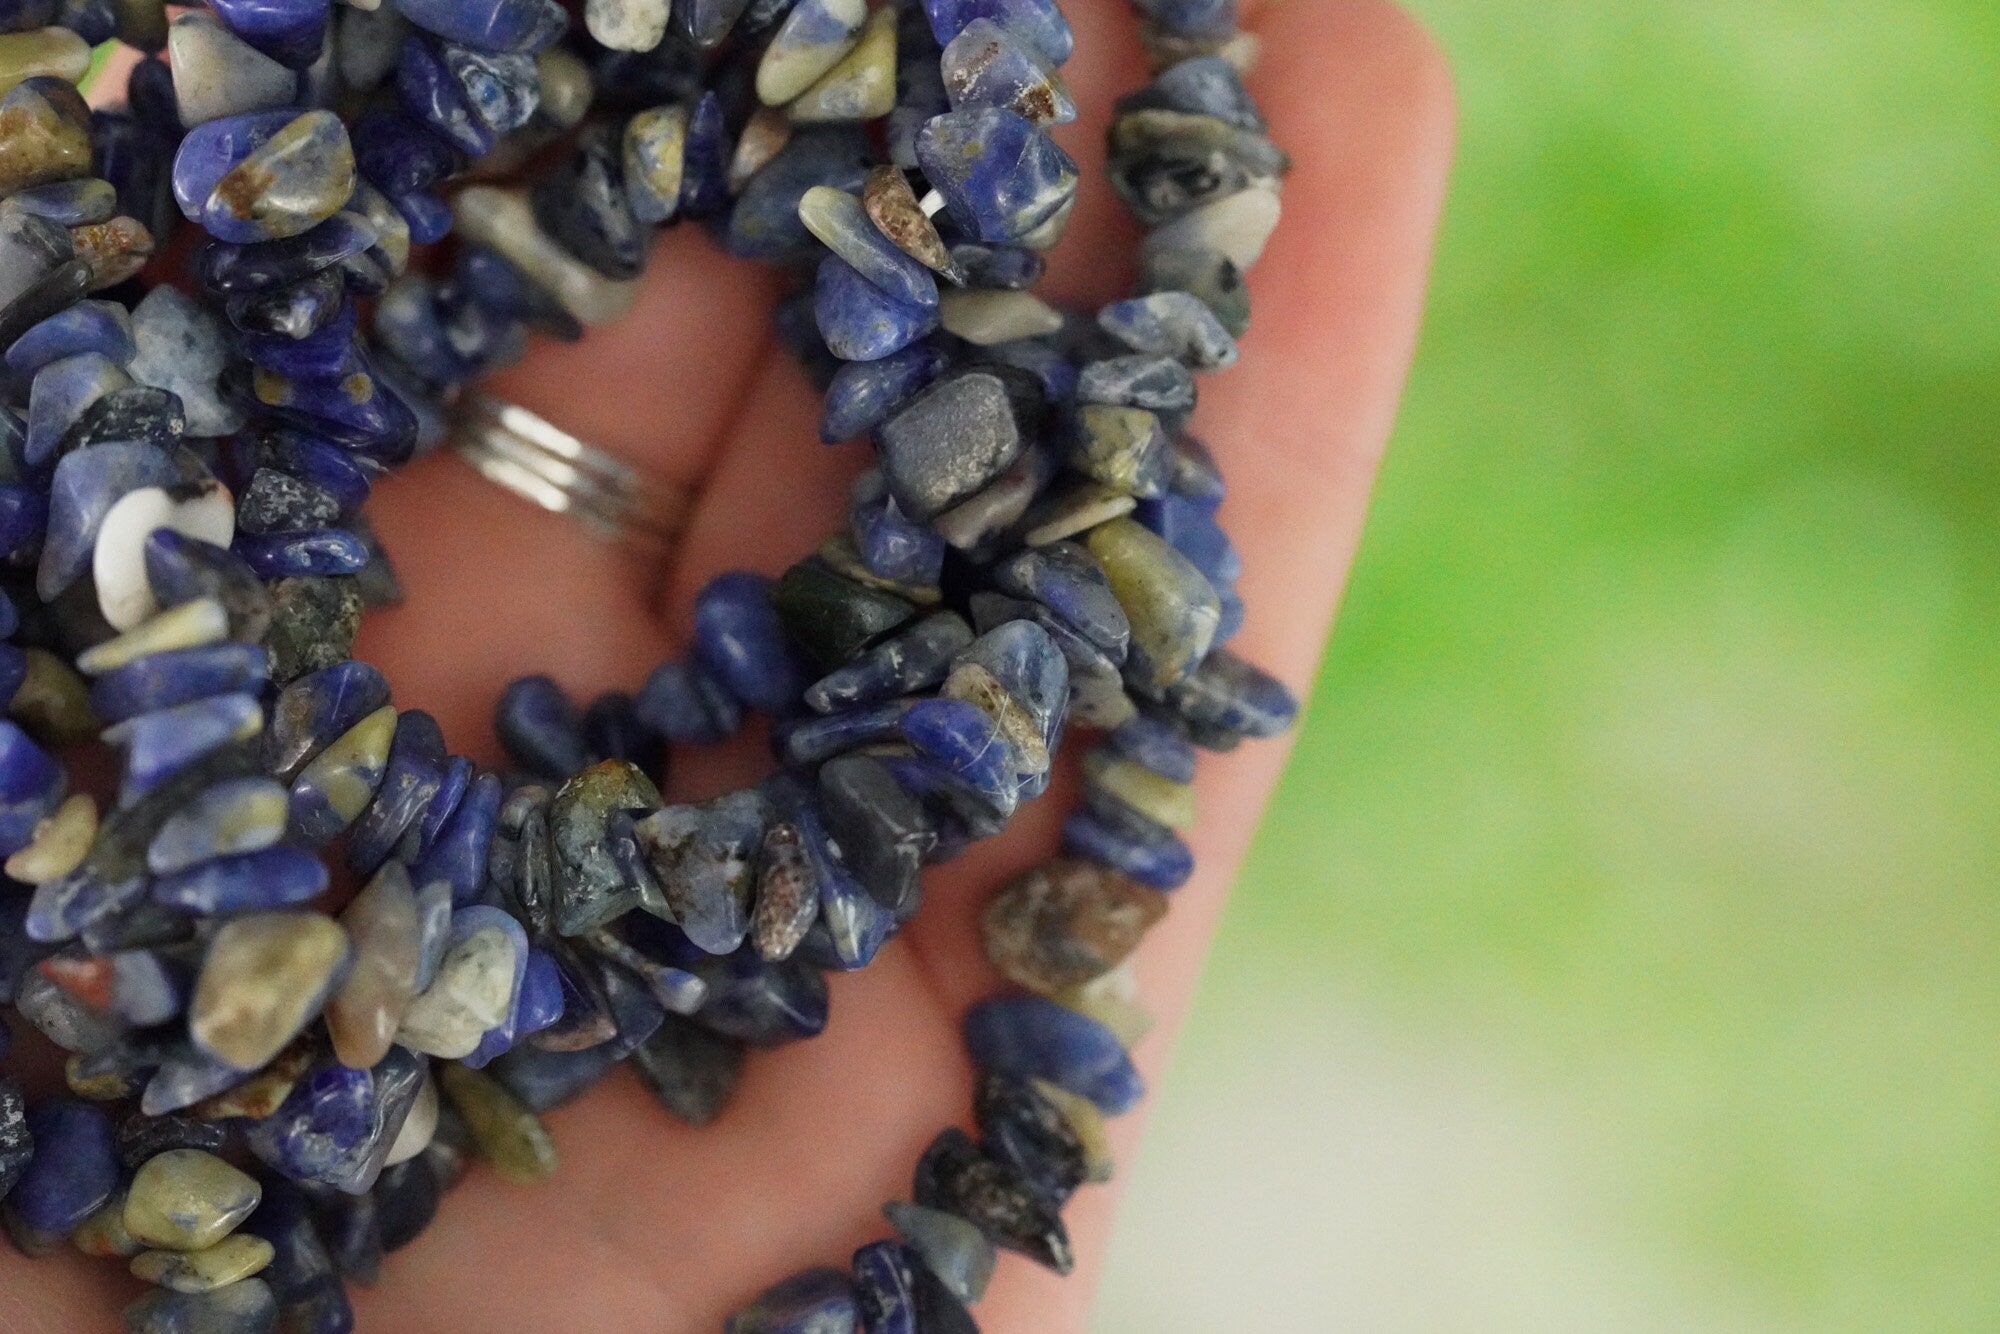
{"x":383,"y":923}
{"x":187,"y":1200}
{"x":508,"y":1135}
{"x":265,"y":975}
{"x":60,"y":843}
{"x":189,"y":625}
{"x":42,"y":51}
{"x":1088,"y":1123}
{"x":863,"y":85}
{"x":984,"y":317}
{"x":227,"y":1261}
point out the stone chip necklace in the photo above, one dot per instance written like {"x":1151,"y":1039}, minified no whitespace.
{"x":267,"y":1095}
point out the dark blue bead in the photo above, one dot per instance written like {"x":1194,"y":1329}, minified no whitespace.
{"x":276,"y":877}
{"x":429,"y":93}
{"x":337,"y":1125}
{"x":858,"y":320}
{"x":1202,"y":86}
{"x":102,"y":327}
{"x":158,"y":745}
{"x":541,"y":729}
{"x":325,"y":551}
{"x":313,"y":711}
{"x":808,"y":741}
{"x":1010,"y":268}
{"x":487,"y":25}
{"x":10,"y":616}
{"x":1189,"y":527}
{"x":61,"y":909}
{"x":1067,"y":579}
{"x":291,"y":32}
{"x":885,"y":1288}
{"x":74,"y":1170}
{"x":1157,"y":746}
{"x":705,"y":161}
{"x":1233,"y":612}
{"x":13,"y":671}
{"x":427,"y":215}
{"x":301,"y":1273}
{"x":320,"y":353}
{"x":864,"y":393}
{"x":355,"y":407}
{"x":318,"y":462}
{"x":93,"y":20}
{"x":1001,"y":175}
{"x":183,"y":569}
{"x":764,"y":1004}
{"x":458,"y":855}
{"x":1227,"y":697}
{"x":398,"y":154}
{"x":544,"y":1080}
{"x":228,"y":269}
{"x":765,"y":223}
{"x":707,"y":22}
{"x":911,"y":660}
{"x":612,"y":731}
{"x":410,"y":783}
{"x":24,"y":517}
{"x":965,"y":740}
{"x":459,"y":773}
{"x":1153,"y":856}
{"x":738,"y":637}
{"x":817,"y":1301}
{"x":857,"y":925}
{"x":31,"y":784}
{"x":541,"y":994}
{"x":1037,"y":22}
{"x":501,"y":288}
{"x":894,"y":547}
{"x":1028,"y":1037}
{"x":684,"y":701}
{"x":582,"y":205}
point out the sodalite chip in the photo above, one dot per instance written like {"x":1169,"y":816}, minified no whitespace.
{"x":338,"y":1125}
{"x":985,"y":65}
{"x":950,"y":441}
{"x":811,"y":41}
{"x":1027,"y":1037}
{"x":1001,"y":175}
{"x":73,"y":1172}
{"x":860,"y":321}
{"x":817,"y":1301}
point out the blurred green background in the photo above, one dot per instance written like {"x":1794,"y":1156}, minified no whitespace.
{"x":1622,"y":951}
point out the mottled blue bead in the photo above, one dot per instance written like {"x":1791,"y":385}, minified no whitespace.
{"x":1028,"y":1037}
{"x":60,"y":395}
{"x":684,"y":701}
{"x":808,"y":741}
{"x":1173,"y":324}
{"x":427,"y":213}
{"x":62,"y":909}
{"x":501,"y":288}
{"x":31,"y":784}
{"x":838,"y":219}
{"x":74,"y":1170}
{"x":857,"y":925}
{"x":763,"y":1004}
{"x":1157,"y":746}
{"x":158,"y":745}
{"x":1026,"y":662}
{"x":1148,"y":853}
{"x":1038,"y":22}
{"x":864,"y":393}
{"x":313,"y":711}
{"x":468,"y":921}
{"x":429,"y":93}
{"x":885,"y":1288}
{"x":1189,"y":527}
{"x":237,"y":815}
{"x":322,"y":352}
{"x":398,"y":154}
{"x":1233,"y":612}
{"x":1009,"y":268}
{"x":319,"y":462}
{"x":1067,"y":579}
{"x":541,"y":994}
{"x":612,"y":731}
{"x":738,"y":637}
{"x":147,"y":988}
{"x":765,"y":223}
{"x":1202,"y":86}
{"x":545,"y":1080}
{"x":337,"y":1124}
{"x":24,"y":518}
{"x":355,"y":407}
{"x":912,"y":660}
{"x":103,"y":327}
{"x":458,"y":853}
{"x":540,"y":728}
{"x":278,"y":877}
{"x":1000,"y":174}
{"x":303,"y":174}
{"x":410,"y":783}
{"x":72,"y":203}
{"x":489,"y":25}
{"x":987,"y":65}
{"x":817,"y":1301}
{"x":858,"y":320}
{"x":459,"y":773}
{"x":323,"y":551}
{"x":184,"y":1078}
{"x":1227,"y":698}
{"x":409,"y":324}
{"x":965,"y":740}
{"x":291,"y":32}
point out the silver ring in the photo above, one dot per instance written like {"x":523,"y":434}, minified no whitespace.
{"x":547,"y":466}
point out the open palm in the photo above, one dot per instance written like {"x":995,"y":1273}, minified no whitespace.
{"x":649,"y":1224}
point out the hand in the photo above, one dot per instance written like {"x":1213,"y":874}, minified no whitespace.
{"x":651,"y":1225}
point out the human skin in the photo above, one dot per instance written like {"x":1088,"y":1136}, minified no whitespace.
{"x":653,"y":1226}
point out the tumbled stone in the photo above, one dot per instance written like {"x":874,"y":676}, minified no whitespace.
{"x":627,"y":25}
{"x":73,"y":1171}
{"x":39,"y":145}
{"x":1029,"y":1037}
{"x":241,"y":815}
{"x":955,"y":1176}
{"x":1001,"y":175}
{"x":301,"y":1273}
{"x":763,"y":1004}
{"x":182,"y":348}
{"x":912,"y":660}
{"x":787,"y":899}
{"x":1236,"y":227}
{"x":262,"y":1093}
{"x":382,"y":922}
{"x":507,"y":1134}
{"x":419,"y":1126}
{"x":1172,"y":608}
{"x":312,"y":625}
{"x":186,"y":1200}
{"x":474,"y":988}
{"x":59,"y":844}
{"x":104,"y":1234}
{"x":200,"y":509}
{"x":987,"y":66}
{"x":265,"y":975}
{"x":883,"y":833}
{"x":950,"y":1247}
{"x":653,"y":157}
{"x":502,"y":220}
{"x":593,"y":886}
{"x":246,"y":1306}
{"x":840,"y":221}
{"x":831,"y":618}
{"x":814,"y":37}
{"x":457,"y":834}
{"x":333,"y":790}
{"x":1066,"y":922}
{"x":859,"y":321}
{"x":233,"y":1258}
{"x":217,"y":73}
{"x":338,"y":1125}
{"x":816,"y":1301}
{"x":952,"y":439}
{"x":862,"y":85}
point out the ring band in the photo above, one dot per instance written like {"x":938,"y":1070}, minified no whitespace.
{"x":547,"y":466}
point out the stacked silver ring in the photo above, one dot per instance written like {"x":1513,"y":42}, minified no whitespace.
{"x":547,"y":466}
